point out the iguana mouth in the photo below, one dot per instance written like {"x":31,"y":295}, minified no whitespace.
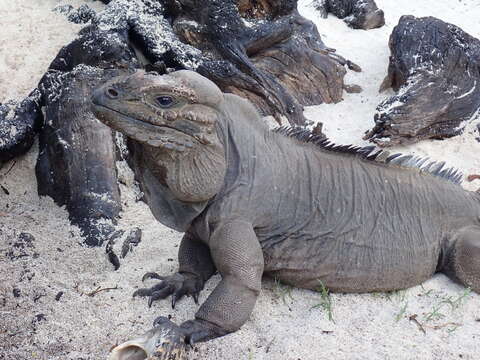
{"x":154,"y":126}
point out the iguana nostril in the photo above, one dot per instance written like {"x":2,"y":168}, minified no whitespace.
{"x":112,"y":93}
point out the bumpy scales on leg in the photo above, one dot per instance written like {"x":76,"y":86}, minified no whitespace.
{"x":237,"y":255}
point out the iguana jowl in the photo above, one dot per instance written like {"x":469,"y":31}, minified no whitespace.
{"x":284,"y":204}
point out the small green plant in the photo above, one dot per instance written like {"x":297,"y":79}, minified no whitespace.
{"x":325,"y":301}
{"x":454,"y":303}
{"x":402,"y":311}
{"x":282,"y":291}
{"x":426,"y":292}
{"x":453,"y":328}
{"x":435,"y":314}
{"x":399,"y":295}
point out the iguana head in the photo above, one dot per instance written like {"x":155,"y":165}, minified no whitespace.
{"x":174,"y":118}
{"x":175,"y":112}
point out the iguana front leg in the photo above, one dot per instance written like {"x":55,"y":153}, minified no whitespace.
{"x":238,"y":257}
{"x":195,"y":268}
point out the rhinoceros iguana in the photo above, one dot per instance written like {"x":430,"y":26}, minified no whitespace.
{"x":283,"y":203}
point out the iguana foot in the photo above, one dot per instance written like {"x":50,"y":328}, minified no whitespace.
{"x":177,"y":285}
{"x":195,"y":331}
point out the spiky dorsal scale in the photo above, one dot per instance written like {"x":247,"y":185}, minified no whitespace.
{"x":371,"y":153}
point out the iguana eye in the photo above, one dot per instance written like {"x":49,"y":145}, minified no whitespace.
{"x":165,"y":101}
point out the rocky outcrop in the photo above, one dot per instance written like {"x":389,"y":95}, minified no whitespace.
{"x":435,"y":71}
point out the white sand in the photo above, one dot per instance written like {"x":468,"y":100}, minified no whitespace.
{"x":283,"y":324}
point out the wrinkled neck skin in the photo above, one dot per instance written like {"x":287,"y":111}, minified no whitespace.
{"x":195,"y":175}
{"x":179,"y":184}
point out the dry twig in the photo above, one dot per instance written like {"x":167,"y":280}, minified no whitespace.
{"x":99,"y":289}
{"x":472,"y":177}
{"x":414,"y":319}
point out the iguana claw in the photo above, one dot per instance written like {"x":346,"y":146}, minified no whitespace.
{"x":178,"y":294}
{"x":177,"y":285}
{"x":200,"y":330}
{"x":193,"y":331}
{"x":152,"y":275}
{"x":195,"y":297}
{"x":159,"y":295}
{"x":149,"y":291}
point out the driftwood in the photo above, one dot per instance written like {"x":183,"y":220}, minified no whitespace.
{"x":262,"y":50}
{"x":358,"y":14}
{"x":435,"y":70}
{"x":77,"y":153}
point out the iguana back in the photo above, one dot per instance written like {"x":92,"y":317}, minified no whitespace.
{"x":333,"y":215}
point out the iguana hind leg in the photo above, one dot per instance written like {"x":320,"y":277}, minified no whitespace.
{"x":463,"y":262}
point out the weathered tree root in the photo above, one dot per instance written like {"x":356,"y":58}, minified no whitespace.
{"x":262,"y":50}
{"x":435,"y":70}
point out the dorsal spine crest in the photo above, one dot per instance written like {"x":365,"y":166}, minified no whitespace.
{"x":371,"y":153}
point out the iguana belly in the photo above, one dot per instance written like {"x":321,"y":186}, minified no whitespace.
{"x":347,"y":265}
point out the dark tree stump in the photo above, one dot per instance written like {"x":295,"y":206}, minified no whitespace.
{"x":76,"y":162}
{"x":435,"y":70}
{"x":262,"y":50}
{"x":358,"y":14}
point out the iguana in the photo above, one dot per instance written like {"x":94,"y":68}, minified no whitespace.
{"x":285,"y":203}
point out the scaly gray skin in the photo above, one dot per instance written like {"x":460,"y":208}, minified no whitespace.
{"x":255,"y":202}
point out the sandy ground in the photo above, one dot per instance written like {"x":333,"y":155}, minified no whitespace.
{"x":45,"y":273}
